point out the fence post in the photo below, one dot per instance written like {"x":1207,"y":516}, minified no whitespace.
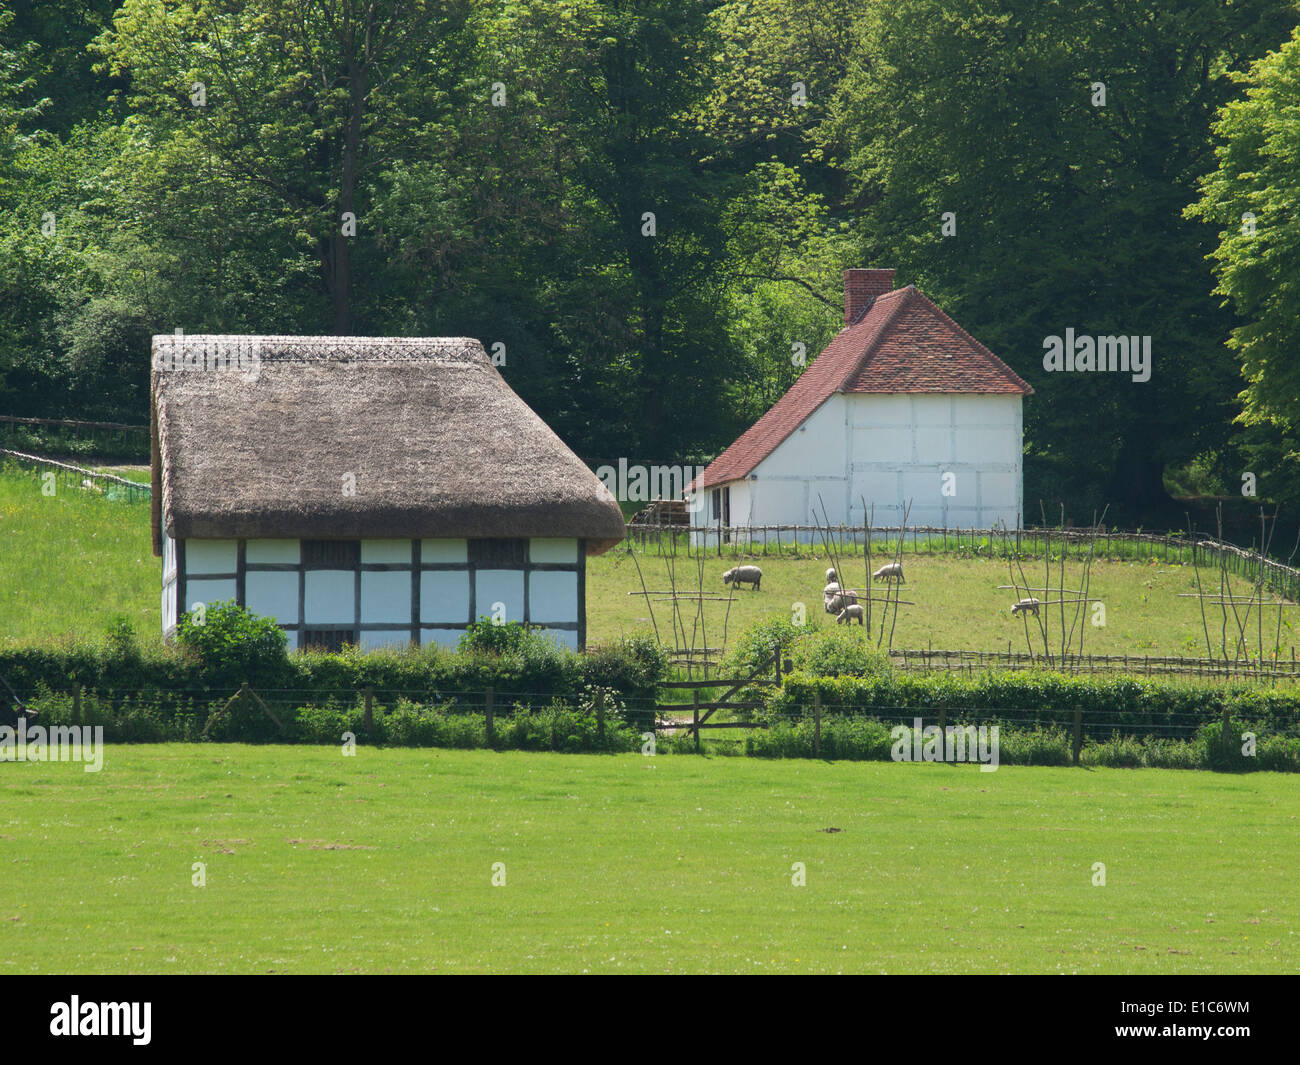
{"x":1227,"y":723}
{"x":1078,"y":732}
{"x":370,"y":715}
{"x":600,"y":715}
{"x":817,"y":723}
{"x":695,"y":696}
{"x":489,"y":721}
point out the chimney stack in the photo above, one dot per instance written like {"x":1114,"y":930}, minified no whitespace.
{"x":861,"y":287}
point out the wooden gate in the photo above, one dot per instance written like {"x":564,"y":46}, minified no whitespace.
{"x":701,"y":712}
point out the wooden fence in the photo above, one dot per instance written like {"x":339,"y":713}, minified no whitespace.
{"x":956,"y":661}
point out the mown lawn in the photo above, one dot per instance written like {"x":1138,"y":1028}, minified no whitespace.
{"x":383,"y":862}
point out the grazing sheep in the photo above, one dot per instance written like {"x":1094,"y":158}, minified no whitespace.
{"x":1027,"y":605}
{"x":850,"y":614}
{"x":888,"y":571}
{"x":739,"y":575}
{"x":835,"y":598}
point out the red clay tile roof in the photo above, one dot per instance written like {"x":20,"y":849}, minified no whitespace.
{"x":902,"y":343}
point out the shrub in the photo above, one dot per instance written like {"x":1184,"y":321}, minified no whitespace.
{"x":498,"y":639}
{"x":840,"y":651}
{"x":231,"y":643}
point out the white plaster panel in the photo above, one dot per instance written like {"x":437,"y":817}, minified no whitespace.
{"x":504,"y":586}
{"x":329,"y":597}
{"x":169,"y":607}
{"x":444,"y":595}
{"x":552,"y":596}
{"x":386,"y":596}
{"x":933,"y":444}
{"x":210,"y":556}
{"x":273,"y":551}
{"x":548,"y":550}
{"x":272,"y":595}
{"x":209,"y":592}
{"x":564,"y":637}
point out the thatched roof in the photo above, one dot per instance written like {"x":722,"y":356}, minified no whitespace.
{"x":253,"y":437}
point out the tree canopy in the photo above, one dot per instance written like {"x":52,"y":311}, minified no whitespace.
{"x":644,"y":209}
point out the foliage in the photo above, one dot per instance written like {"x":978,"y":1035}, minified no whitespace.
{"x":1252,"y":198}
{"x":233,"y":643}
{"x":1135,"y":706}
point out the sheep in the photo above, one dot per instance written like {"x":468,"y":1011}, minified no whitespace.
{"x":739,"y":575}
{"x":835,"y":598}
{"x":1027,"y":605}
{"x":850,"y":614}
{"x":830,"y":576}
{"x":891,"y":569}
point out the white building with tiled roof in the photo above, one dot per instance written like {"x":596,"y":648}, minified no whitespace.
{"x":903,"y":405}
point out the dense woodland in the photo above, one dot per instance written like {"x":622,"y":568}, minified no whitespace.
{"x":1110,"y":166}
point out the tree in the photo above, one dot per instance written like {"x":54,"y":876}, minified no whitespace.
{"x":1254,"y":195}
{"x":1064,"y":141}
{"x":297,"y":105}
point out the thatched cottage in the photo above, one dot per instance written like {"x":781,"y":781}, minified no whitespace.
{"x":368,"y":490}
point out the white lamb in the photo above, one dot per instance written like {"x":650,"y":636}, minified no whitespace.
{"x":1029,"y":606}
{"x":739,"y":575}
{"x":850,"y":614}
{"x":888,"y":572}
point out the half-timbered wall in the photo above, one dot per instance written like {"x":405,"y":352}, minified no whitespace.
{"x":383,"y":592}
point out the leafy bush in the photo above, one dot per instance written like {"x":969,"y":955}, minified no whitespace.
{"x":840,"y":651}
{"x":485,"y":635}
{"x":230,"y":642}
{"x":757,"y":643}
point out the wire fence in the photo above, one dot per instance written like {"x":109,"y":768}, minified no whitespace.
{"x":70,"y":475}
{"x":87,"y":703}
{"x":971,"y":662}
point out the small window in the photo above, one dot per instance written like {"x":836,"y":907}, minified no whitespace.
{"x":331,"y":554}
{"x":498,"y":554}
{"x":328,"y":639}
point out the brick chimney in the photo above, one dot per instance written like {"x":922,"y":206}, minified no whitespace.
{"x":861,"y":287}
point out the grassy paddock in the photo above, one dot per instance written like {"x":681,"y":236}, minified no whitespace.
{"x":383,"y":862}
{"x":958,"y":603}
{"x":73,"y":562}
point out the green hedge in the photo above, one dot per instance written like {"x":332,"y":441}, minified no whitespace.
{"x":867,"y":739}
{"x":170,"y":692}
{"x":1137,"y":706}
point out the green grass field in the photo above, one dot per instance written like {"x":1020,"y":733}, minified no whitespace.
{"x":958,"y":602}
{"x":71,"y":563}
{"x":384,"y":862}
